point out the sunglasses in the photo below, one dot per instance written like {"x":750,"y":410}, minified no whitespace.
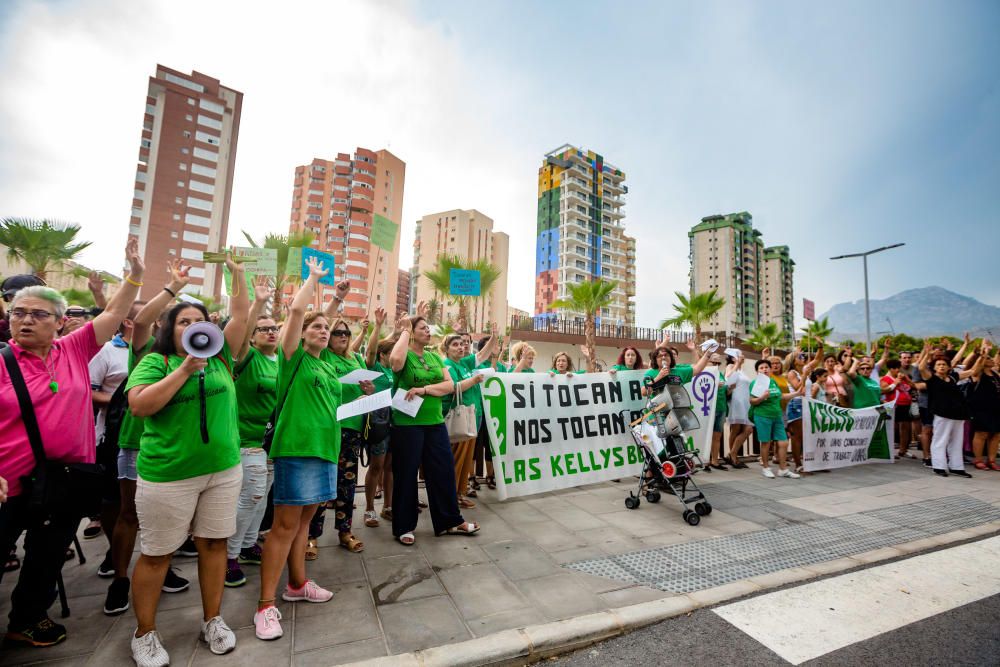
{"x":76,"y":313}
{"x":340,"y":332}
{"x":266,"y":329}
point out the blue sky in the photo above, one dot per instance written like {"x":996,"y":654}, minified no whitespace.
{"x":839,"y":127}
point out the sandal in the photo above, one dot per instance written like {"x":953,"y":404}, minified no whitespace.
{"x":994,"y":466}
{"x":351,"y":543}
{"x":407,"y":539}
{"x":471,"y":493}
{"x":981,"y":465}
{"x":312,"y":550}
{"x":473,"y":482}
{"x":491,"y":482}
{"x":13,"y":562}
{"x":378,"y":494}
{"x":465,"y":503}
{"x":467,"y":528}
{"x":386,"y":513}
{"x":371,"y":519}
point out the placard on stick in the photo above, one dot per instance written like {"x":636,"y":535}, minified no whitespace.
{"x":464,"y":282}
{"x":329,"y":263}
{"x":384,"y":232}
{"x":267,"y":260}
{"x":293,"y":265}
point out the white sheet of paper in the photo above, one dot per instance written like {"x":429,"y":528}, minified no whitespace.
{"x":732,"y":352}
{"x":761,"y":385}
{"x":485,"y":372}
{"x":406,"y":407}
{"x":710,"y":345}
{"x":358,"y":376}
{"x":382,"y":399}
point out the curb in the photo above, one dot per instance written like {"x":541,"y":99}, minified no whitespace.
{"x":532,"y":643}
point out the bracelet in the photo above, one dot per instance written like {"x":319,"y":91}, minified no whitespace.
{"x":132,"y":282}
{"x":170,"y":292}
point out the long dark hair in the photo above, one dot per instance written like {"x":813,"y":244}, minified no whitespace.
{"x":163,"y":342}
{"x":638,"y":358}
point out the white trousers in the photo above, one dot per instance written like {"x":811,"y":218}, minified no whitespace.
{"x":946,"y":445}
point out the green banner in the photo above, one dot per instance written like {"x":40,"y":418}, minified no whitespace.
{"x":384,"y":233}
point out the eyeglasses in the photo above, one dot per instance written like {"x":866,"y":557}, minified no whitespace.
{"x":21,"y":313}
{"x":340,"y":332}
{"x":76,"y":313}
{"x":266,"y":330}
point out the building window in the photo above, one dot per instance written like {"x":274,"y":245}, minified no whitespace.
{"x":178,"y":200}
{"x":214,"y":107}
{"x":197,"y":220}
{"x":174,"y":235}
{"x":205,"y":188}
{"x":204,"y":154}
{"x":188,"y":117}
{"x":180,"y":184}
{"x":206,"y":137}
{"x":177,"y":216}
{"x":201,"y":204}
{"x":209,"y":122}
{"x":182,"y":167}
{"x":185,"y":150}
{"x":190,"y":253}
{"x":195,"y":237}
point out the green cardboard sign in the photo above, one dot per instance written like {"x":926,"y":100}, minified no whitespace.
{"x":293,"y":266}
{"x":384,"y":233}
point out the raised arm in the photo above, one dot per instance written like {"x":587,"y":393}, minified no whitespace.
{"x":142,"y":325}
{"x":239,"y":305}
{"x":371,"y":352}
{"x":262,"y":296}
{"x":332,"y":308}
{"x":360,"y":338}
{"x":702,"y":363}
{"x":961,"y":351}
{"x":397,"y":358}
{"x":488,"y":350}
{"x":107,"y":323}
{"x":924,"y":363}
{"x":852,"y":372}
{"x":291,"y":332}
{"x":96,"y":286}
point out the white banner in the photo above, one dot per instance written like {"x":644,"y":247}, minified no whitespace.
{"x":834,"y":437}
{"x":560,"y":432}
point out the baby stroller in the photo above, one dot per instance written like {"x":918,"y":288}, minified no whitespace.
{"x":670,"y":467}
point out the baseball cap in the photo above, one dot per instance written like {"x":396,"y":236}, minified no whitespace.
{"x":12,"y":284}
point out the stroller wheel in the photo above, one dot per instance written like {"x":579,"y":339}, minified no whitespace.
{"x":704,"y":509}
{"x":653,"y":496}
{"x":692,"y":517}
{"x":632,"y":502}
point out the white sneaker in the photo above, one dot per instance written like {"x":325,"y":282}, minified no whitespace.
{"x":789,"y":474}
{"x":267,"y":624}
{"x":767,"y":473}
{"x":148,"y":651}
{"x":218,"y":636}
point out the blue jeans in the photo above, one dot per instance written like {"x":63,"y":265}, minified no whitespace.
{"x":258,"y":476}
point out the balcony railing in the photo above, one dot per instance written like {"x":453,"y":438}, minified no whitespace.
{"x":577,"y":327}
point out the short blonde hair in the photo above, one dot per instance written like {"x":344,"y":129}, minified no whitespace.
{"x":448,"y":340}
{"x":521,"y":349}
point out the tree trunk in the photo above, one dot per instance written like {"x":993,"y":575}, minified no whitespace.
{"x":589,"y":339}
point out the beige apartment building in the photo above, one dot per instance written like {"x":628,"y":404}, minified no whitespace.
{"x":184,"y":177}
{"x":779,"y":297}
{"x":337,"y":200}
{"x":469,"y":235}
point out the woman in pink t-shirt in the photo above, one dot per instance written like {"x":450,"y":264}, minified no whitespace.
{"x":836,"y":381}
{"x":57,"y":377}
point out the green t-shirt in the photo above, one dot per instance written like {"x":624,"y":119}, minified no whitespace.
{"x":384,"y":382}
{"x":256,"y":395}
{"x":171,"y":447}
{"x":621,"y":367}
{"x":472,"y":396}
{"x":721,"y":400}
{"x":348,"y":392}
{"x":417,"y":373}
{"x":579,"y":372}
{"x":867,"y":392}
{"x":486,"y":364}
{"x":684,"y":371}
{"x":132,"y":426}
{"x":771,"y":407}
{"x":307,"y":423}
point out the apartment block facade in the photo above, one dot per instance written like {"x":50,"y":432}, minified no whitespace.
{"x":337,"y":200}
{"x":403,"y":291}
{"x":470,"y":236}
{"x":184,"y":176}
{"x":779,"y":295}
{"x":581,"y":232}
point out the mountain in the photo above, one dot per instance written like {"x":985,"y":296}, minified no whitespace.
{"x":925,"y":311}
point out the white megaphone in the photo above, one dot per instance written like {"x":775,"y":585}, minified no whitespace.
{"x":203,"y":340}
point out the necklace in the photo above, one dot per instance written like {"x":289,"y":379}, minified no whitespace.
{"x":50,"y":369}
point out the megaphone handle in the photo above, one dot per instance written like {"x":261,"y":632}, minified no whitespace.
{"x":203,"y":407}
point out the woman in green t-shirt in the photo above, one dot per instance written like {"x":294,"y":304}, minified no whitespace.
{"x":768,"y":421}
{"x":465,"y":379}
{"x":562,"y":364}
{"x":867,"y":392}
{"x":629,"y":359}
{"x":663,"y":363}
{"x":522,"y":356}
{"x":188,"y":477}
{"x":379,"y":473}
{"x":256,"y":395}
{"x":422,"y":439}
{"x":305,"y":450}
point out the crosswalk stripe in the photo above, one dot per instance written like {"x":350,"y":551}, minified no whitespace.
{"x":811,"y":620}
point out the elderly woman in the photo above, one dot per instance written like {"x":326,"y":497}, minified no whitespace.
{"x":58,"y":381}
{"x":522,"y":357}
{"x":422,"y":439}
{"x":189,"y":472}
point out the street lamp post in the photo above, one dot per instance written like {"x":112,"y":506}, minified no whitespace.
{"x":864,"y":258}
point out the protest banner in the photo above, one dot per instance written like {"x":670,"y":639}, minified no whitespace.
{"x":463,"y":282}
{"x":266,"y":260}
{"x":834,"y":437}
{"x":560,"y":432}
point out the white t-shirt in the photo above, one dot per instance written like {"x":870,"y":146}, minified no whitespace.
{"x":108,"y":369}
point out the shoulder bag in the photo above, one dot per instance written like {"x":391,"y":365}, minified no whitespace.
{"x":460,"y":420}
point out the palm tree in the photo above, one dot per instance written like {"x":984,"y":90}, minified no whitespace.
{"x":695,"y":310}
{"x":588,"y":298}
{"x":817,"y":329}
{"x":767,"y":335}
{"x":433,"y":308}
{"x":282,"y":244}
{"x":40,"y":243}
{"x":440,"y":279}
{"x":78,"y":297}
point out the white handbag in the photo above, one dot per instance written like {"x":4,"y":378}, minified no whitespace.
{"x":461,"y":420}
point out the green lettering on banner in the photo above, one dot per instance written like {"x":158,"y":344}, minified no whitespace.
{"x":568,"y":458}
{"x":536,"y":472}
{"x":619,"y":459}
{"x":556,"y":462}
{"x":519,"y":470}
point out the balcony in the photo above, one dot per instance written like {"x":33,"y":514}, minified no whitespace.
{"x":615,"y":214}
{"x":359,"y":204}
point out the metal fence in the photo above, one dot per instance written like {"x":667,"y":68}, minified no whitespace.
{"x":577,"y":327}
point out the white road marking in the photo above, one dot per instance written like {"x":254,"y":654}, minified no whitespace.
{"x":811,"y":620}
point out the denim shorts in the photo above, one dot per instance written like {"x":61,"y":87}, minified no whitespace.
{"x":126,"y":464}
{"x":769,"y":429}
{"x":720,"y":421}
{"x":300,"y":480}
{"x":794,"y":410}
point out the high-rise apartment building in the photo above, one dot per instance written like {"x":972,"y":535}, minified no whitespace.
{"x":470,"y":236}
{"x":778,"y":298}
{"x":727,"y":256}
{"x":337,"y":200}
{"x":184,"y":179}
{"x":403,"y":291}
{"x":581,"y":232}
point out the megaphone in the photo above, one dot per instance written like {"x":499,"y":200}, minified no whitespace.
{"x":202,"y":340}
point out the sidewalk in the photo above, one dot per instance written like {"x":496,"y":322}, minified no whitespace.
{"x":547,"y":558}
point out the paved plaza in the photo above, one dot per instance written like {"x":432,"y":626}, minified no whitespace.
{"x":545,"y":558}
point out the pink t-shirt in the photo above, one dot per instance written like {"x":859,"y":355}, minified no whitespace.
{"x":65,"y":419}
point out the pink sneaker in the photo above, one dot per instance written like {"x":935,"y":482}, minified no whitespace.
{"x":309,"y":592}
{"x":266,"y":623}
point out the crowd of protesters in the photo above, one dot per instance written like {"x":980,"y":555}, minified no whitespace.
{"x":236,"y":458}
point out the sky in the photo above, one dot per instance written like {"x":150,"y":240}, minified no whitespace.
{"x":840,"y":127}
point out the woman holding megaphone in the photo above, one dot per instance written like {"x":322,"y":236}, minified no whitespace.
{"x":189,"y":472}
